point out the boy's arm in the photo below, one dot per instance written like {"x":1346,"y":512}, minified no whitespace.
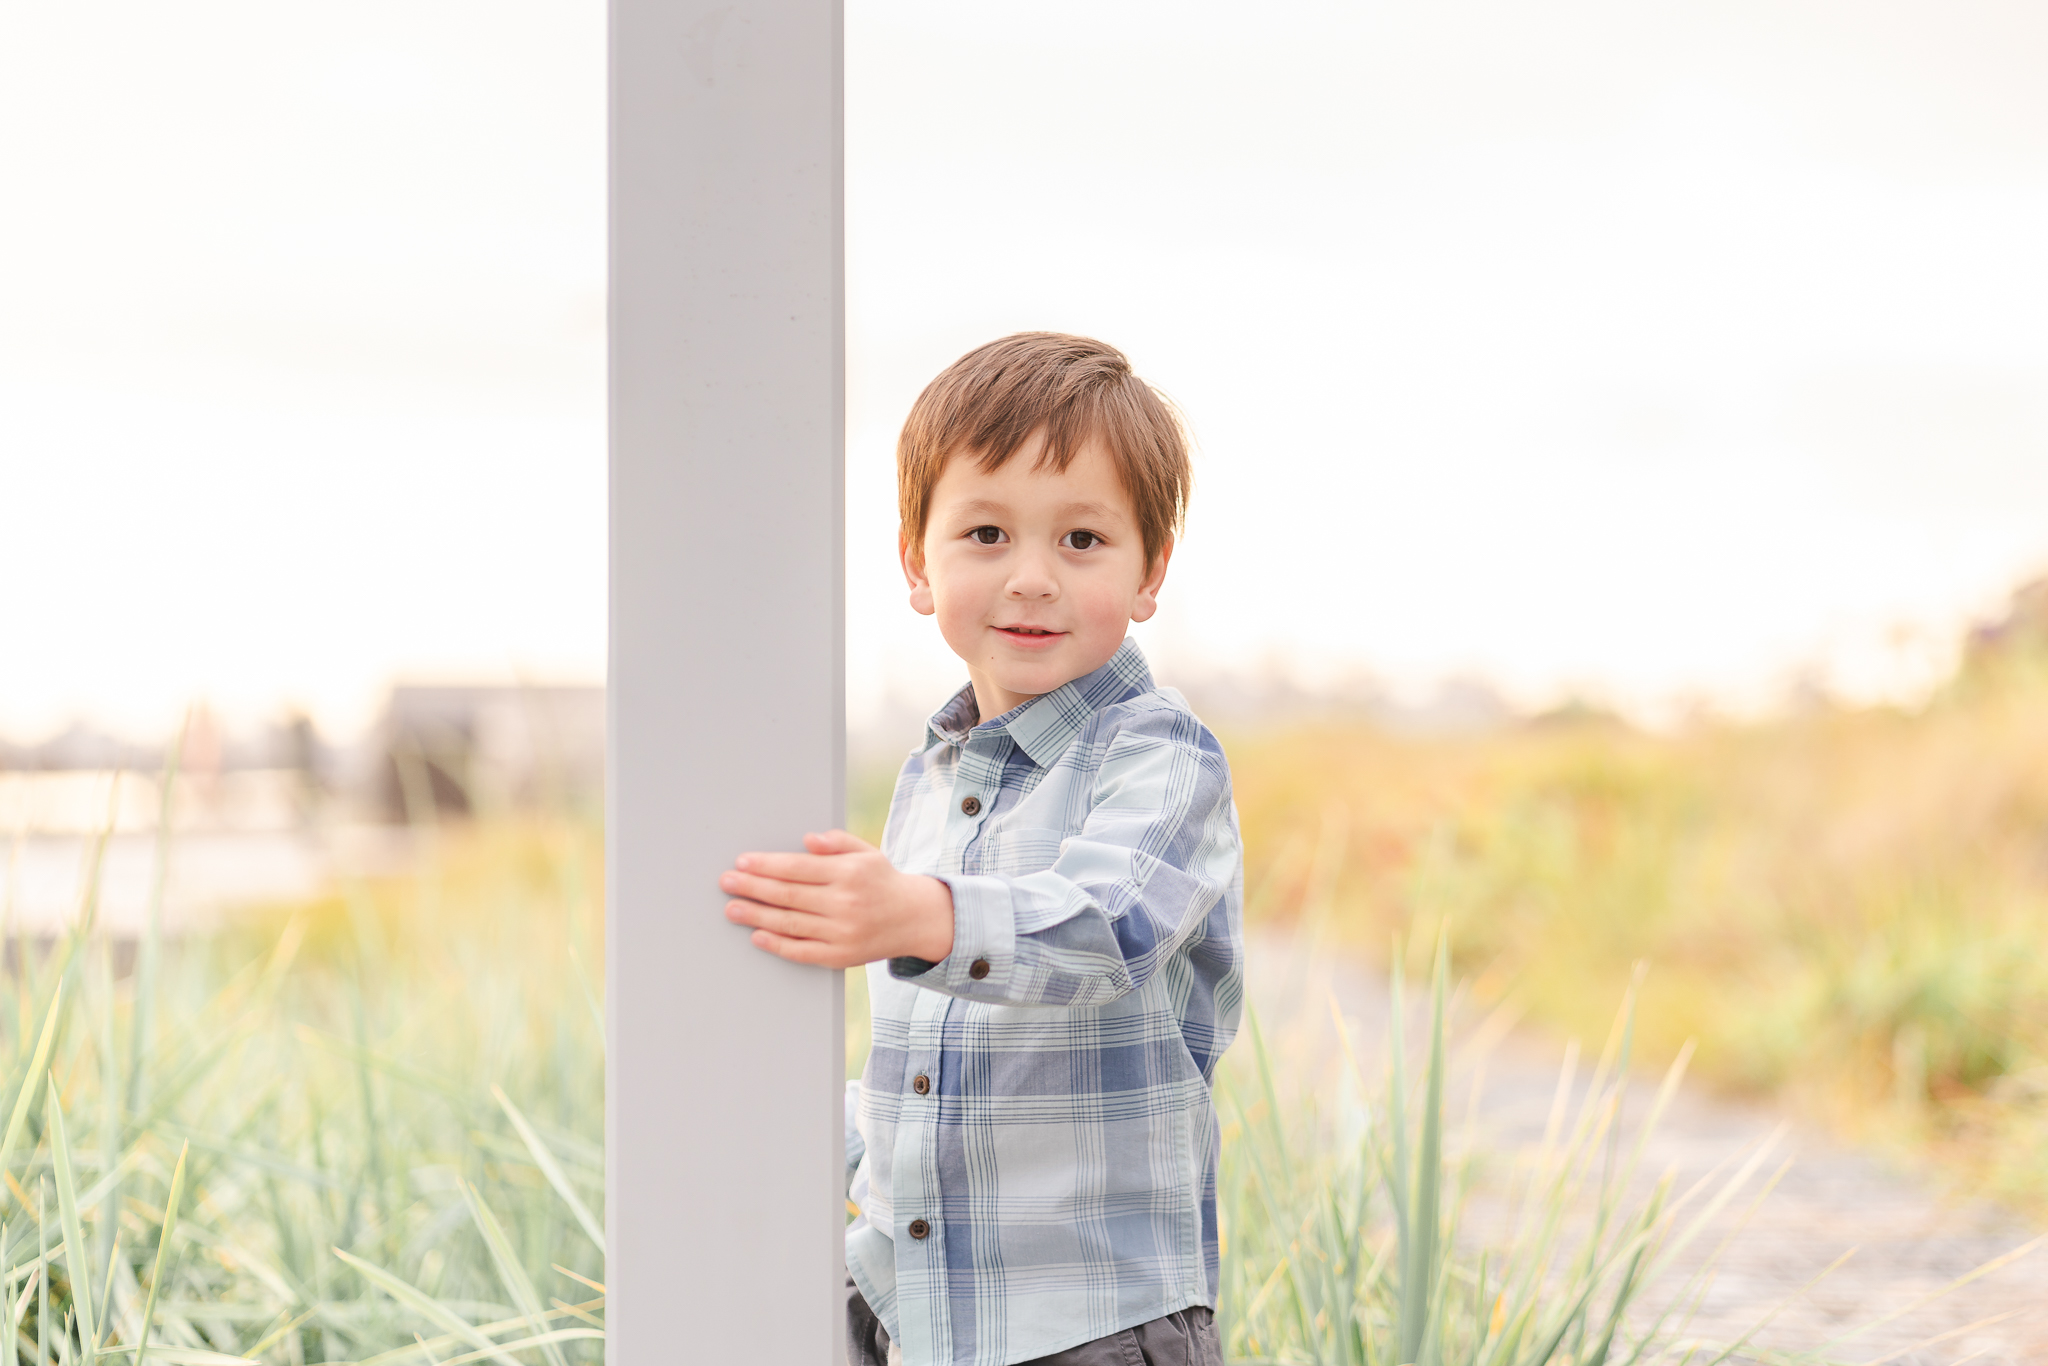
{"x":1157,"y":854}
{"x":1155,"y":857}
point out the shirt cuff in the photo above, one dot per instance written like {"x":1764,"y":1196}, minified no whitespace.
{"x":984,"y":942}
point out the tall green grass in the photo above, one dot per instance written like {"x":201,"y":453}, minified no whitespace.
{"x":369,"y":1128}
{"x":364,"y":1129}
{"x":1346,"y":1241}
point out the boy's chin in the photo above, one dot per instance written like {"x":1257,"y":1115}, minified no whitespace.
{"x":1037,"y":677}
{"x":1031,"y":682}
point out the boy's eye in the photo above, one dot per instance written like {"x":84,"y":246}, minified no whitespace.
{"x":1079,"y":540}
{"x":986,"y":535}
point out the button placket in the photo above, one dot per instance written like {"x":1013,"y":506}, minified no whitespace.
{"x":916,"y":1128}
{"x":981,"y":772}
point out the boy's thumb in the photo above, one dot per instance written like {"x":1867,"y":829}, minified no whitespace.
{"x":834,"y":842}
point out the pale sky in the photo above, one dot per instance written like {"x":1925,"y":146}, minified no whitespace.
{"x":1652,"y":351}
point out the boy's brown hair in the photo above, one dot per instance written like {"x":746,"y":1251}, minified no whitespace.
{"x":990,"y":401}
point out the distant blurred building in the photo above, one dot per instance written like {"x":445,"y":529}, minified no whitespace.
{"x":272,"y":813}
{"x":76,"y":747}
{"x":435,"y":750}
{"x":473,"y":749}
{"x":1459,"y":705}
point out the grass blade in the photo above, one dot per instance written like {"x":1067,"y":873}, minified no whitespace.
{"x":598,"y":1286}
{"x":427,"y":1346}
{"x":1397,"y":1102}
{"x":107,"y":1285}
{"x":1420,"y":1271}
{"x":76,"y":1260}
{"x":26,"y":1096}
{"x":278,"y":1332}
{"x":420,"y":1302}
{"x":163,"y":1254}
{"x":42,"y":1281}
{"x":545,"y":1341}
{"x":551,"y":1169}
{"x":510,"y":1272}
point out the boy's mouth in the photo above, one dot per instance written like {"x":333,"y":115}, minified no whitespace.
{"x":1030,"y":636}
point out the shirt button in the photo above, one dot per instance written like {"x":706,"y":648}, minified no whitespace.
{"x":921,"y":1084}
{"x":978,"y":969}
{"x":919,"y":1228}
{"x":971,"y":805}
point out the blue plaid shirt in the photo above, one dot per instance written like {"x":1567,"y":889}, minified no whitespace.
{"x":1032,"y":1146}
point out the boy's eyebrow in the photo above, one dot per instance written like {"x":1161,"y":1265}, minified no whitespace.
{"x":1098,"y":510}
{"x":988,"y":507}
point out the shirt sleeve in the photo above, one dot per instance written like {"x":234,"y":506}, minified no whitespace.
{"x":1157,"y":856}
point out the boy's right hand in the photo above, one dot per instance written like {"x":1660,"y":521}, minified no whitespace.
{"x":838,"y":905}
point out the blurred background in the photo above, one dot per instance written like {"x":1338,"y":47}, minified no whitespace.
{"x":1622,"y":475}
{"x":1669,"y":361}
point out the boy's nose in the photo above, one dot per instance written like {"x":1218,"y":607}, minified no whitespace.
{"x":1033,"y":578}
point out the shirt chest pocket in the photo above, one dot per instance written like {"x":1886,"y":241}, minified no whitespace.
{"x":1018,"y":850}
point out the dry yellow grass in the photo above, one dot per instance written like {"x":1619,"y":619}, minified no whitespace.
{"x":1848,"y":910}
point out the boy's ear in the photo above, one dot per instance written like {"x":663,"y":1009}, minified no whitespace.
{"x":913,"y":573}
{"x":1147,"y":601}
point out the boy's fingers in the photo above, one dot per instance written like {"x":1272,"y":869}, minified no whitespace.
{"x":770,"y":891}
{"x":789,"y":924}
{"x":807,"y":951}
{"x":835,"y":842}
{"x":788,"y":867}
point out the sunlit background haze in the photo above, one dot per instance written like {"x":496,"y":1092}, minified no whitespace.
{"x":1663,"y":356}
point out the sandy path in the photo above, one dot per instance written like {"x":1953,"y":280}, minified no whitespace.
{"x":1910,"y":1241}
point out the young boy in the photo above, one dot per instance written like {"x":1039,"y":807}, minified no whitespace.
{"x":1052,"y":923}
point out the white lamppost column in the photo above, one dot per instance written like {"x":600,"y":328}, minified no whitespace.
{"x":722,"y":1080}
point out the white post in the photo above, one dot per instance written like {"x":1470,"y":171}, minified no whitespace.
{"x":722,"y":1079}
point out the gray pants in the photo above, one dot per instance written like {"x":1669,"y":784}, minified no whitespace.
{"x":1186,"y":1337}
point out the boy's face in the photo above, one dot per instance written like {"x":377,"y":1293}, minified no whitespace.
{"x":1032,"y":574}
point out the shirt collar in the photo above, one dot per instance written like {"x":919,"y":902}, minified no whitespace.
{"x":1047,"y":724}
